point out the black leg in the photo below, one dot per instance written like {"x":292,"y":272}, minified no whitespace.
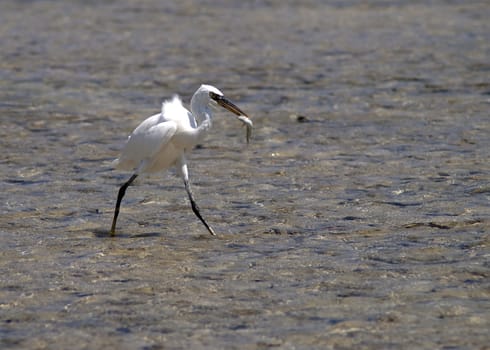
{"x":120,"y":196}
{"x":195,"y":208}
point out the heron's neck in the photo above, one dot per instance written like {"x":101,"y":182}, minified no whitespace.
{"x":203,"y":116}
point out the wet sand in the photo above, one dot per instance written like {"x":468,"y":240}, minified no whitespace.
{"x":358,"y":217}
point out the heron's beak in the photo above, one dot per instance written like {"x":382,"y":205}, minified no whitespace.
{"x":242,"y":116}
{"x":225,"y":103}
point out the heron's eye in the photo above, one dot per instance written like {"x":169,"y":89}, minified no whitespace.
{"x":214,"y":96}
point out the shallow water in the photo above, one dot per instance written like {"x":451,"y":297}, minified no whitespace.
{"x":358,"y":217}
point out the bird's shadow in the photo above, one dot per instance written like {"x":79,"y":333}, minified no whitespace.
{"x":105,"y":233}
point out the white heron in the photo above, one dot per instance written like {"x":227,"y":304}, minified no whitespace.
{"x":164,"y":139}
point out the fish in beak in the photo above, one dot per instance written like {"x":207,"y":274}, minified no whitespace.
{"x":241,"y":115}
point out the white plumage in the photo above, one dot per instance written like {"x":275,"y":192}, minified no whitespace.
{"x":163,"y":139}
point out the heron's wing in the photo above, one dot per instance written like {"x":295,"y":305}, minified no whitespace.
{"x":145,"y":142}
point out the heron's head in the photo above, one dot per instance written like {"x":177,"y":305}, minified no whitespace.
{"x":209,"y":95}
